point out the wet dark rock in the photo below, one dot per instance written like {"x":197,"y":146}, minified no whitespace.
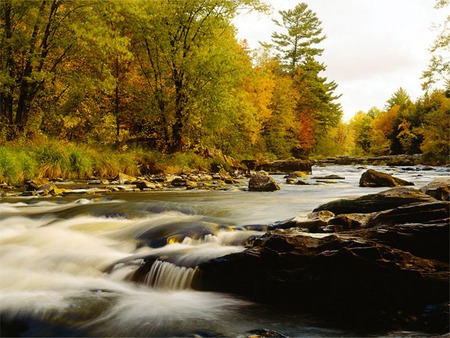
{"x":329,"y":177}
{"x":373,"y":178}
{"x":346,"y":222}
{"x":286,"y":166}
{"x":181,"y":182}
{"x":146,"y":185}
{"x":387,"y":270}
{"x":162,"y":234}
{"x":348,"y":281}
{"x":315,"y":221}
{"x":37,"y":183}
{"x":439,"y":188}
{"x":424,"y":212}
{"x":261,"y":181}
{"x":257,"y":333}
{"x":422,"y":240}
{"x":384,"y":200}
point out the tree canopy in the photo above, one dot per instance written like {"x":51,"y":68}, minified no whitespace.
{"x":172,"y":76}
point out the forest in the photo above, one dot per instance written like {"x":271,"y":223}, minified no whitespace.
{"x":171,"y":78}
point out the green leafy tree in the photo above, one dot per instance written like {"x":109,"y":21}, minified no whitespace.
{"x":176,"y":45}
{"x":53,"y":61}
{"x":361,"y":126}
{"x":435,"y":127}
{"x":402,"y":139}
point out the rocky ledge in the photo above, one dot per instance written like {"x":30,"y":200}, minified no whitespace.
{"x":386,"y":269}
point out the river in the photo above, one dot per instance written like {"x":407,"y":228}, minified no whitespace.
{"x":65,"y":263}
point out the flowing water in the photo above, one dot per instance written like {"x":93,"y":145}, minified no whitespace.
{"x":67,"y":264}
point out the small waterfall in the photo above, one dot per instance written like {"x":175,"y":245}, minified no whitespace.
{"x":165,"y":275}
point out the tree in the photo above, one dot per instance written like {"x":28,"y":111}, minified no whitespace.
{"x":50,"y":46}
{"x":302,"y":33}
{"x":382,"y":129}
{"x":435,"y":128}
{"x":173,"y":42}
{"x":402,"y":138}
{"x":298,"y":52}
{"x":438,"y":72}
{"x":361,"y":126}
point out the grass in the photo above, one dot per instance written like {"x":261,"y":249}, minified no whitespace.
{"x":21,"y":161}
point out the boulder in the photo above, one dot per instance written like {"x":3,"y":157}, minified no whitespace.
{"x":373,"y":178}
{"x":384,"y":200}
{"x":262,"y":181}
{"x":439,"y":188}
{"x":423,"y":240}
{"x":349,"y":281}
{"x":425,"y":212}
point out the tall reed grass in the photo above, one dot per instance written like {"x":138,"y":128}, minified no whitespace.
{"x":21,"y":161}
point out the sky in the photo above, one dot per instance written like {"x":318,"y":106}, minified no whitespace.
{"x":373,"y":47}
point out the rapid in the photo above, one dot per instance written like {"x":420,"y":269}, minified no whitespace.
{"x":68,"y":266}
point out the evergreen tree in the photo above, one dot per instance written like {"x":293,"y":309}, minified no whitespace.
{"x":298,"y":51}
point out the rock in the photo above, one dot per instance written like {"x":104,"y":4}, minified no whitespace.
{"x":146,"y":185}
{"x":439,"y":188}
{"x":329,"y":177}
{"x":316,"y":221}
{"x":122,"y":178}
{"x":300,"y":174}
{"x":352,"y":282}
{"x":181,"y":182}
{"x":261,"y":333}
{"x":345,"y":222}
{"x":384,"y":200}
{"x":291,"y":180}
{"x":426,"y":213}
{"x":261,"y":181}
{"x":37,"y":183}
{"x":373,"y":178}
{"x":286,"y":166}
{"x":423,"y":240}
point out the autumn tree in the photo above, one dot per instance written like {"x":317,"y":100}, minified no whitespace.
{"x":175,"y":43}
{"x":435,"y":127}
{"x":361,"y":126}
{"x":55,"y":53}
{"x":297,"y":48}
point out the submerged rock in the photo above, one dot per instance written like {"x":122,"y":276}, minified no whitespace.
{"x":373,"y":178}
